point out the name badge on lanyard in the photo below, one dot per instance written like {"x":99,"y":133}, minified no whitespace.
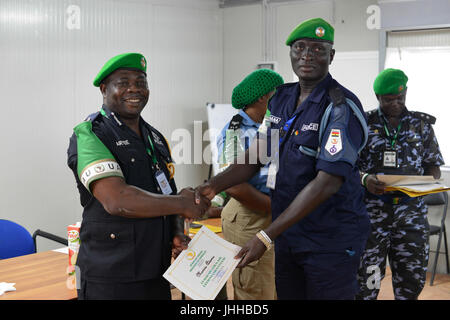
{"x":272,"y":176}
{"x":390,"y":155}
{"x":390,"y":159}
{"x":273,"y":167}
{"x":163,"y":182}
{"x":160,"y":177}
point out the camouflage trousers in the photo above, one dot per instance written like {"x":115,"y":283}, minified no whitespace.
{"x":399,"y":232}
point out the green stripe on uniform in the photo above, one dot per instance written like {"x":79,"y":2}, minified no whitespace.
{"x":95,"y":161}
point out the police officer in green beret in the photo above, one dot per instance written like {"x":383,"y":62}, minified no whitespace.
{"x":401,"y":142}
{"x":124,"y":174}
{"x":319,"y":219}
{"x":248,"y":209}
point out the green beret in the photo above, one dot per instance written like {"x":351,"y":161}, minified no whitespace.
{"x":390,"y":81}
{"x":125,"y":60}
{"x":254,"y":86}
{"x":316,"y":29}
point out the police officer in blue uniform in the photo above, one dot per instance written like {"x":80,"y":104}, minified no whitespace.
{"x":401,"y":142}
{"x":319,"y":219}
{"x":122,"y":166}
{"x":248,"y":209}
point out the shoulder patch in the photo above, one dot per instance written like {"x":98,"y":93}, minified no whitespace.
{"x":424,"y":116}
{"x":334,"y":142}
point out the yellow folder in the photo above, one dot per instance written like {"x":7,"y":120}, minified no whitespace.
{"x":210,"y":227}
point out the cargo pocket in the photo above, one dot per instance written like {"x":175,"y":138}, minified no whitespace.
{"x":232,"y":214}
{"x":247,"y":283}
{"x":110,"y":250}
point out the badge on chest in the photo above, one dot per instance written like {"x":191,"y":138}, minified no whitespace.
{"x":272,"y":176}
{"x":390,"y":158}
{"x":163,"y":182}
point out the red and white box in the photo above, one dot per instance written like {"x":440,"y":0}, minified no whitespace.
{"x":73,"y":237}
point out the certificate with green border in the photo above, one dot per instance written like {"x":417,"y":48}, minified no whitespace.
{"x":202,"y":269}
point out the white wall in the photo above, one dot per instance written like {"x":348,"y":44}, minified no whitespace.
{"x":356,"y":70}
{"x":46,"y":81}
{"x":242,"y":45}
{"x":356,"y":60}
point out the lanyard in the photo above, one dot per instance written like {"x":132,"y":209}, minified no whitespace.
{"x":393,"y":139}
{"x":151,"y":152}
{"x":386,"y":130}
{"x":285,"y":128}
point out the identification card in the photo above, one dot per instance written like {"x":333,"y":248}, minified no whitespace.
{"x":272,"y":176}
{"x":163,"y":183}
{"x":390,"y":159}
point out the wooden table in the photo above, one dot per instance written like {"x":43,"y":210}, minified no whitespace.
{"x":39,"y":276}
{"x":43,"y":276}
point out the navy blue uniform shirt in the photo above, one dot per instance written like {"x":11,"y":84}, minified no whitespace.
{"x":115,"y":248}
{"x":341,"y":221}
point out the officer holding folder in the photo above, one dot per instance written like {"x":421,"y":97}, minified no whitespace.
{"x":401,"y":142}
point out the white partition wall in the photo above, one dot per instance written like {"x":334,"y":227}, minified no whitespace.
{"x":50,"y":52}
{"x":246,"y":28}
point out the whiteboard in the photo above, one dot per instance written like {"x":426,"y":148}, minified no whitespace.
{"x":218,"y":116}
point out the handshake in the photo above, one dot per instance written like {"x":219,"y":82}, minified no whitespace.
{"x":196,"y":201}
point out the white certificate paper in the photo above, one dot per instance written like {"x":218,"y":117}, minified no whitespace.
{"x":202,"y":269}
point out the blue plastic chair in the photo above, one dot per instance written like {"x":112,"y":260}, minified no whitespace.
{"x":16,"y":241}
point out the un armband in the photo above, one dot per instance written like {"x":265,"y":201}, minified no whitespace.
{"x":98,"y":170}
{"x":95,"y":161}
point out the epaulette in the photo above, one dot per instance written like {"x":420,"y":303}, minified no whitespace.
{"x":92,"y":116}
{"x":236,"y":122}
{"x":424,"y":116}
{"x":371,"y":113}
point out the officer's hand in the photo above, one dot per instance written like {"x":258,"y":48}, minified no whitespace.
{"x":374,"y":185}
{"x":214,"y":212}
{"x":251,"y":251}
{"x":180,"y":242}
{"x":205,"y":190}
{"x":192,"y":208}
